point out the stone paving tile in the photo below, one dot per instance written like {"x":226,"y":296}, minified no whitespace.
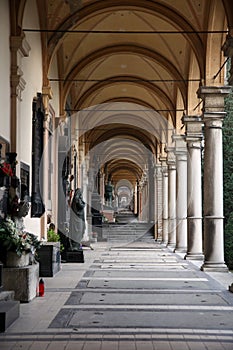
{"x":110,"y":345}
{"x":213,"y":345}
{"x":75,"y":345}
{"x":92,"y":345}
{"x":39,"y":345}
{"x":57,"y":345}
{"x":9,"y":345}
{"x":192,"y":345}
{"x":227,"y":346}
{"x":127,"y":345}
{"x":178,"y":345}
{"x":162,"y":345}
{"x":144,"y":345}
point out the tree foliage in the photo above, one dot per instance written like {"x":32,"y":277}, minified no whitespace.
{"x":228,"y":179}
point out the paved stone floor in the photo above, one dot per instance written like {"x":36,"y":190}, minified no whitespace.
{"x":139,"y":296}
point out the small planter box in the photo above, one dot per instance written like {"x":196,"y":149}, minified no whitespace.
{"x":49,"y":259}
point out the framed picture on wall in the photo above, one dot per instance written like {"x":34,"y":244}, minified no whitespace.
{"x":24,"y":181}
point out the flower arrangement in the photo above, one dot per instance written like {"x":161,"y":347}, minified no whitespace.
{"x":14,"y":240}
{"x":6,"y":169}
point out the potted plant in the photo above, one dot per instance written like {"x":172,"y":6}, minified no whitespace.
{"x":17,"y":247}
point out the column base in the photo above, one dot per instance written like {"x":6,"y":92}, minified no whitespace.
{"x":195,"y":256}
{"x":214,"y":267}
{"x":171,"y":245}
{"x":180,"y":250}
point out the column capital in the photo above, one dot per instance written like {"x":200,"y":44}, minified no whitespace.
{"x":171,"y":158}
{"x":181,"y":148}
{"x":47,"y":91}
{"x":20,"y":44}
{"x":163,"y":160}
{"x":213,"y":97}
{"x":193,"y":128}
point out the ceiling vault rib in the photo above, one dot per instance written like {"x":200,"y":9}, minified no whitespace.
{"x":126,"y":110}
{"x":127,"y":80}
{"x":83,"y":31}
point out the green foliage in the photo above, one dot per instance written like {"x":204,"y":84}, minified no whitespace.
{"x":229,"y":242}
{"x":11,"y":239}
{"x":52,"y":236}
{"x":228,"y":179}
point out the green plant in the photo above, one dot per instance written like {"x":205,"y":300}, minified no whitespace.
{"x":52,"y":236}
{"x":228,"y":180}
{"x":14,"y":240}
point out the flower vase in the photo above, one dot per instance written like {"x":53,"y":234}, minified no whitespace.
{"x":14,"y":260}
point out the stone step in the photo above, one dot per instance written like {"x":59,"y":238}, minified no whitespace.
{"x":9,"y":312}
{"x":120,"y":232}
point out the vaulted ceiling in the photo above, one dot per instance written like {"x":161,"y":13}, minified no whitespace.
{"x":129,"y":70}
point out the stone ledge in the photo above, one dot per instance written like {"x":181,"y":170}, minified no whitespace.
{"x":22,"y":280}
{"x":9,"y":312}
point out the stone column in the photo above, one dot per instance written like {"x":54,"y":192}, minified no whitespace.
{"x":86,"y":198}
{"x":159,"y":202}
{"x":194,"y":183}
{"x":140,"y":202}
{"x":102,"y":181}
{"x":213,"y":116}
{"x":171,"y":197}
{"x":164,"y":200}
{"x":151,"y":194}
{"x":155,"y":205}
{"x":181,"y":193}
{"x":46,"y":97}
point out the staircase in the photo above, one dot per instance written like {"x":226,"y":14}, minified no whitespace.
{"x":127,"y":229}
{"x":125,"y":217}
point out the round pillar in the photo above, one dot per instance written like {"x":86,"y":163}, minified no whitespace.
{"x":213,"y":177}
{"x":164,"y":200}
{"x":155,"y":205}
{"x":181,"y":193}
{"x":171,"y":197}
{"x":194,"y":184}
{"x":159,"y":202}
